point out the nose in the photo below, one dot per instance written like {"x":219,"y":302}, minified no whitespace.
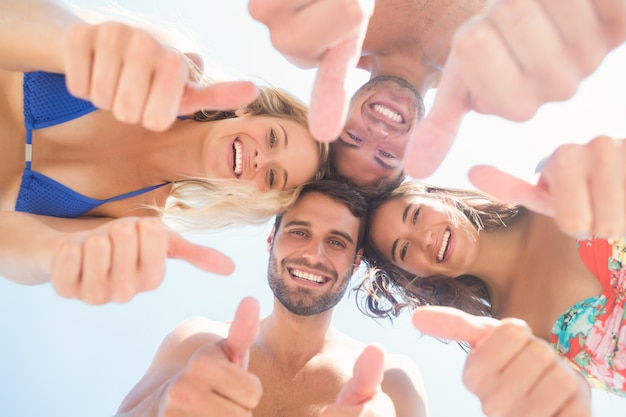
{"x":425,"y":239}
{"x":260,"y":160}
{"x":314,"y":251}
{"x":378,"y":129}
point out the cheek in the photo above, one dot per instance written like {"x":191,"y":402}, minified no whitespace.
{"x":301,"y":167}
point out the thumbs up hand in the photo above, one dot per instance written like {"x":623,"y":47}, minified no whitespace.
{"x":512,"y":372}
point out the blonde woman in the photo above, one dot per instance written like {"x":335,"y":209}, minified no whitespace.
{"x":107,"y":115}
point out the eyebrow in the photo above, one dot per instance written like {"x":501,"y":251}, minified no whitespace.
{"x":298,"y":223}
{"x":333,"y":231}
{"x":285,"y":177}
{"x":347,"y":144}
{"x":285,"y":136}
{"x":395,"y":243}
{"x":343,"y":235}
{"x":383,"y":164}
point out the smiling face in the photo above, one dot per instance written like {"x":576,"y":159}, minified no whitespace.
{"x":419,"y":236}
{"x":273,"y":153}
{"x":313,"y":254}
{"x":382,"y":116}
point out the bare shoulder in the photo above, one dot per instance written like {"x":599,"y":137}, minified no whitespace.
{"x":403,"y":383}
{"x":172,"y":356}
{"x":190,"y":335}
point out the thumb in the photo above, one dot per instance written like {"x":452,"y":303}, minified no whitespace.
{"x":508,"y":188}
{"x":452,"y":324}
{"x":201,"y":257}
{"x":366,"y":379}
{"x":221,"y":96}
{"x":435,"y":135}
{"x":243,"y":332}
{"x":329,"y":100}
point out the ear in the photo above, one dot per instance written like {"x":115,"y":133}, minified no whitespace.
{"x":357,"y":260}
{"x":270,"y":239}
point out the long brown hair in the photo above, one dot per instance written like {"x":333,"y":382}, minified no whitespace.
{"x":389,"y":289}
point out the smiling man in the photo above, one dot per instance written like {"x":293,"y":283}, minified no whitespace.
{"x":500,"y":57}
{"x":294,"y":363}
{"x":299,"y":365}
{"x":382,"y":116}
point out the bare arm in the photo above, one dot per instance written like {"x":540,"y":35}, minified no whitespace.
{"x":28,"y":242}
{"x":198,"y":372}
{"x":31,"y":34}
{"x":511,"y":371}
{"x":510,"y":61}
{"x":581,"y":186}
{"x":108,"y":64}
{"x":96,"y":260}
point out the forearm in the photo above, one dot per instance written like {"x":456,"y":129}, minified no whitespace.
{"x":149,"y":406}
{"x":31,"y":32}
{"x":28,"y":242}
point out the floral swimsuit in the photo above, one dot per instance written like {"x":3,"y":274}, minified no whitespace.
{"x":591,"y":335}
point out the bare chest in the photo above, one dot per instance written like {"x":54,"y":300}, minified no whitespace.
{"x":302,"y":394}
{"x":12,"y":136}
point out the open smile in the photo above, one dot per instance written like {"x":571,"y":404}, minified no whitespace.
{"x":308,"y":277}
{"x":445,"y":245}
{"x":387,"y":113}
{"x":237,"y":158}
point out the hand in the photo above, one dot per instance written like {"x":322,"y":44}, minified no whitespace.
{"x":215,"y":381}
{"x":127,"y":71}
{"x":581,"y":186}
{"x":510,"y":61}
{"x":328,"y":34}
{"x":122,"y":258}
{"x":512,"y":372}
{"x":362,"y":395}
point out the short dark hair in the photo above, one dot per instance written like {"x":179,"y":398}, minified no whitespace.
{"x":342,"y":193}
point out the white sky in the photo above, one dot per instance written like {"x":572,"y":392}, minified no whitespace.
{"x":63,"y":358}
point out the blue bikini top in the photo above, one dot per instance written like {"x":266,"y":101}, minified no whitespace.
{"x":47,"y":103}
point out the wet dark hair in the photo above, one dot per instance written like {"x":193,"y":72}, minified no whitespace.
{"x":388,"y":289}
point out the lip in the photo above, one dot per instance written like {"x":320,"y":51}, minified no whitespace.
{"x":390,"y":105}
{"x":231,"y":158}
{"x":304,"y":282}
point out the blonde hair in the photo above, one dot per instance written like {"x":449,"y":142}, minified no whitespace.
{"x":207,"y":203}
{"x":201,"y":204}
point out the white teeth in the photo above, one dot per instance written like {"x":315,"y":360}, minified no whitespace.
{"x":307,"y":276}
{"x":444,"y":245}
{"x":237,"y":157}
{"x":387,"y":112}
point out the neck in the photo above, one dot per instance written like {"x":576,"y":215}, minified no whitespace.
{"x":173,"y":154}
{"x":500,"y":251}
{"x":292,"y":339}
{"x":412,"y":38}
